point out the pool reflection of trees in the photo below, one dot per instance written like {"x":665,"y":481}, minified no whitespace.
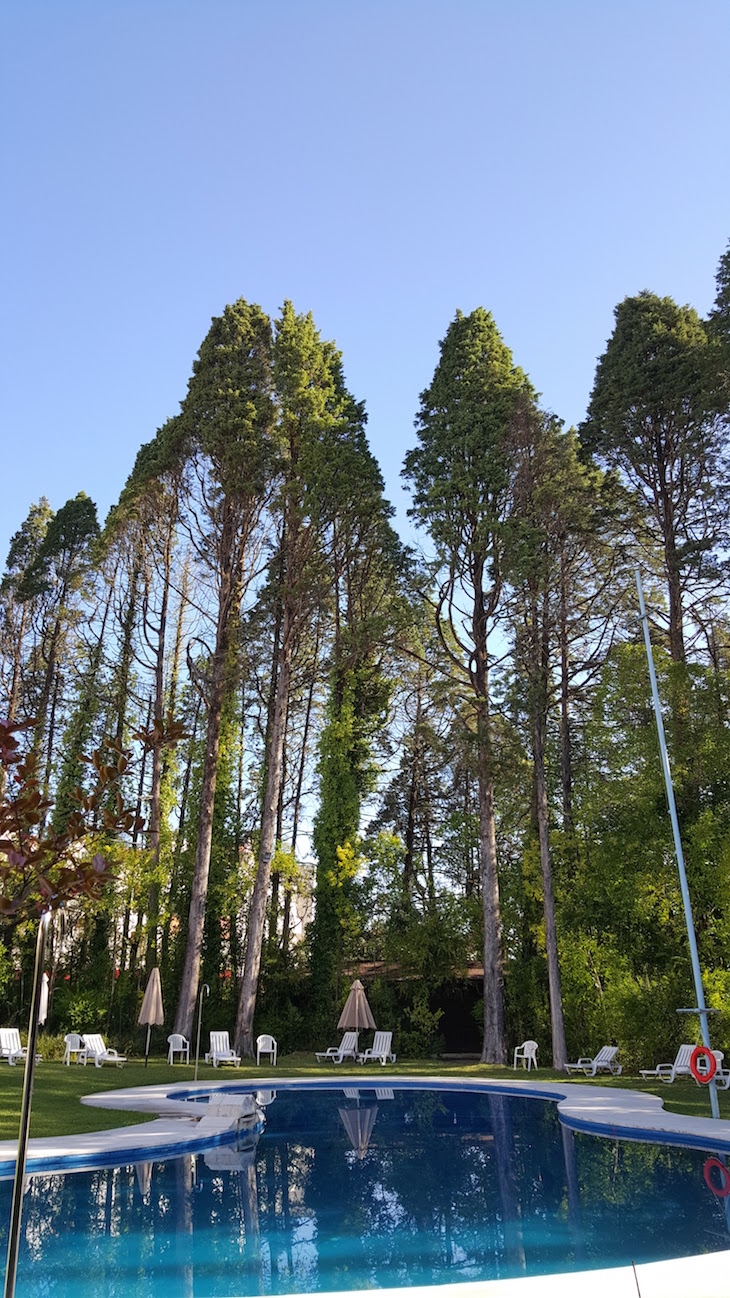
{"x":477,"y":1186}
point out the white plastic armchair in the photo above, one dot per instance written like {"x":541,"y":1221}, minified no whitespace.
{"x":73,"y":1046}
{"x":527,"y":1052}
{"x":178,"y":1045}
{"x":347,"y":1049}
{"x":266,"y":1045}
{"x":220,"y":1051}
{"x":97,"y":1051}
{"x":603,"y":1062}
{"x":380,"y":1049}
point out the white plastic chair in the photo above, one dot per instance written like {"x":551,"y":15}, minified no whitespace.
{"x":179,"y":1045}
{"x":266,"y":1045}
{"x":603,"y":1062}
{"x":220,"y":1051}
{"x":96,"y":1050}
{"x":380,"y":1049}
{"x":527,"y":1052}
{"x":347,"y":1049}
{"x":73,"y":1047}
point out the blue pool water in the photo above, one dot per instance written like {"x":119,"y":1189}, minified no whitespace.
{"x":363,"y":1191}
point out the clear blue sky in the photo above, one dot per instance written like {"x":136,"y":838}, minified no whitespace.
{"x":380,"y":162}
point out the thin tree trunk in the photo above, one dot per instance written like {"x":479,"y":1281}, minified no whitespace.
{"x":493,"y":1048}
{"x":51,"y":739}
{"x":566,"y":773}
{"x":257,"y":914}
{"x":560,"y":1051}
{"x":153,"y":837}
{"x":408,"y":863}
{"x":199,"y":892}
{"x":275,"y":878}
{"x":286,"y":922}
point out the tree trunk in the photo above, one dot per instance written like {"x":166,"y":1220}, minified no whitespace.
{"x":257,"y":914}
{"x":408,"y":863}
{"x":228,"y":599}
{"x":566,"y":772}
{"x":493,"y":1047}
{"x":560,"y":1051}
{"x":153,"y":837}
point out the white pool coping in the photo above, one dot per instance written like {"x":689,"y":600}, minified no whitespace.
{"x":598,"y":1110}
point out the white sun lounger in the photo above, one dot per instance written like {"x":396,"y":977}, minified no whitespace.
{"x":347,"y":1049}
{"x":97,"y":1051}
{"x":603,"y":1062}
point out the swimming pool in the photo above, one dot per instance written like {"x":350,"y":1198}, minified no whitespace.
{"x":367,"y":1188}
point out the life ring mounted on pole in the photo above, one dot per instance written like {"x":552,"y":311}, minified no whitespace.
{"x":706,"y":1074}
{"x":724,"y":1189}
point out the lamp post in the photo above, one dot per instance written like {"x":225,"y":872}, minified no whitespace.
{"x":204,"y":988}
{"x":700,"y":1008}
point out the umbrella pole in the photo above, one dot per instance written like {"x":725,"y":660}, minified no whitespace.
{"x":147,"y":1047}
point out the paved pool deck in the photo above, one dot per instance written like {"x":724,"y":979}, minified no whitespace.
{"x":176,"y":1129}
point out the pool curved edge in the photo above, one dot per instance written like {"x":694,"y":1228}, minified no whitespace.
{"x":596,"y":1110}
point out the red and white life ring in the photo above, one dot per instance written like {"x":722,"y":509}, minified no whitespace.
{"x":698,"y":1053}
{"x":707,"y":1170}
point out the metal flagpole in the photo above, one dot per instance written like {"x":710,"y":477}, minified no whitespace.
{"x":19,"y":1184}
{"x":696,"y":971}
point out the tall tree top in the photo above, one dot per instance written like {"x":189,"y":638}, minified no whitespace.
{"x":657,"y":373}
{"x":460,"y":469}
{"x":719,"y":318}
{"x":66,"y":548}
{"x":228,"y":413}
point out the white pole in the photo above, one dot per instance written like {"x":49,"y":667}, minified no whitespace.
{"x":696,"y":971}
{"x":204,"y":988}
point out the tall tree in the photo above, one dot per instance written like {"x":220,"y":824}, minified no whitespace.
{"x":309,"y":407}
{"x":18,"y":595}
{"x":460,"y":475}
{"x":658,"y":416}
{"x":224,"y":430}
{"x":549,"y":492}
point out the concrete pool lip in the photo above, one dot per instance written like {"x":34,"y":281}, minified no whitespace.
{"x":599,"y":1110}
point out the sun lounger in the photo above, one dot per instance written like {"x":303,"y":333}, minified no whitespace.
{"x":10,"y":1047}
{"x":97,"y":1051}
{"x":380,"y":1049}
{"x":220,"y":1051}
{"x":603,"y":1062}
{"x":668,"y":1072}
{"x":347,"y":1049}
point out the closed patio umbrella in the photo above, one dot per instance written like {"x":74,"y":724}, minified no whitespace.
{"x":43,"y":1003}
{"x":357,"y":1013}
{"x":358,"y":1124}
{"x":152,"y":1012}
{"x":144,"y":1177}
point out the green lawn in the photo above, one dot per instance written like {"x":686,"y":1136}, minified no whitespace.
{"x":57,"y":1090}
